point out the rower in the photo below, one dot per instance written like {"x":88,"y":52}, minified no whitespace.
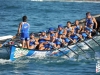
{"x":58,"y":41}
{"x":24,"y":29}
{"x":77,"y":30}
{"x":51,"y":32}
{"x":74,"y":37}
{"x":68,"y":27}
{"x":60,"y":34}
{"x":90,"y":19}
{"x":43,"y":40}
{"x":60,"y":31}
{"x":83,"y":33}
{"x":32,"y":42}
{"x":67,"y":40}
{"x":86,"y":32}
{"x":77,"y":27}
{"x":50,"y":44}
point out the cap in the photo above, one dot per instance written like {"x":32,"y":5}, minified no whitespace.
{"x":60,"y":25}
{"x":43,"y":31}
{"x":32,"y":34}
{"x":52,"y":35}
{"x":51,"y":29}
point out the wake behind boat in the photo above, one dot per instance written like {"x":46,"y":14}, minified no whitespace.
{"x":16,"y":52}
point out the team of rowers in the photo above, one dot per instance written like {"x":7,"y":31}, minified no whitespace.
{"x":59,"y":37}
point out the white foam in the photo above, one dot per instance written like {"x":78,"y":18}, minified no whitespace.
{"x":4,"y":61}
{"x":69,"y":1}
{"x":36,"y":0}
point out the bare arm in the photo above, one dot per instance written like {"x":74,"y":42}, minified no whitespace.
{"x":65,"y":32}
{"x":94,"y":20}
{"x":48,"y":37}
{"x":19,"y":28}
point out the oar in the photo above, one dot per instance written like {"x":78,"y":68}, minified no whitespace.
{"x":64,"y":53}
{"x":81,"y":49}
{"x":72,"y":51}
{"x":89,"y":46}
{"x":95,"y":41}
{"x":75,"y":52}
{"x":69,"y":49}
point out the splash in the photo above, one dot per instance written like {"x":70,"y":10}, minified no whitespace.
{"x":4,"y":61}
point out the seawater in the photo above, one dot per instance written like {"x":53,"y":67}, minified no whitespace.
{"x":42,"y":15}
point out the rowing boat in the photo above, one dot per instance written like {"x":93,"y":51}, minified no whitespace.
{"x":17,"y":52}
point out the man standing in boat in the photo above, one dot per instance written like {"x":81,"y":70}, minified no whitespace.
{"x":91,"y":20}
{"x":24,"y":30}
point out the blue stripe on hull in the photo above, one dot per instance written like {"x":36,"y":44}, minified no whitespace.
{"x":19,"y":52}
{"x":61,"y":53}
{"x":30,"y":53}
{"x":12,"y":53}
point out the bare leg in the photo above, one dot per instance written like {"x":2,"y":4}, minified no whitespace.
{"x":31,"y":47}
{"x":58,"y":46}
{"x":41,"y":46}
{"x":27,"y":43}
{"x":54,"y":45}
{"x":23,"y":43}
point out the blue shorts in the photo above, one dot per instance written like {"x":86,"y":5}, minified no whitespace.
{"x":84,"y":35}
{"x":67,"y":40}
{"x":57,"y":43}
{"x":25,"y":36}
{"x":48,"y":46}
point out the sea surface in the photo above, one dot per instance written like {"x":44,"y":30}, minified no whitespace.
{"x":42,"y":15}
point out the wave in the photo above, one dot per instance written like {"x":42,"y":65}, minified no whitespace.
{"x":4,"y":61}
{"x":96,"y":1}
{"x":37,"y":0}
